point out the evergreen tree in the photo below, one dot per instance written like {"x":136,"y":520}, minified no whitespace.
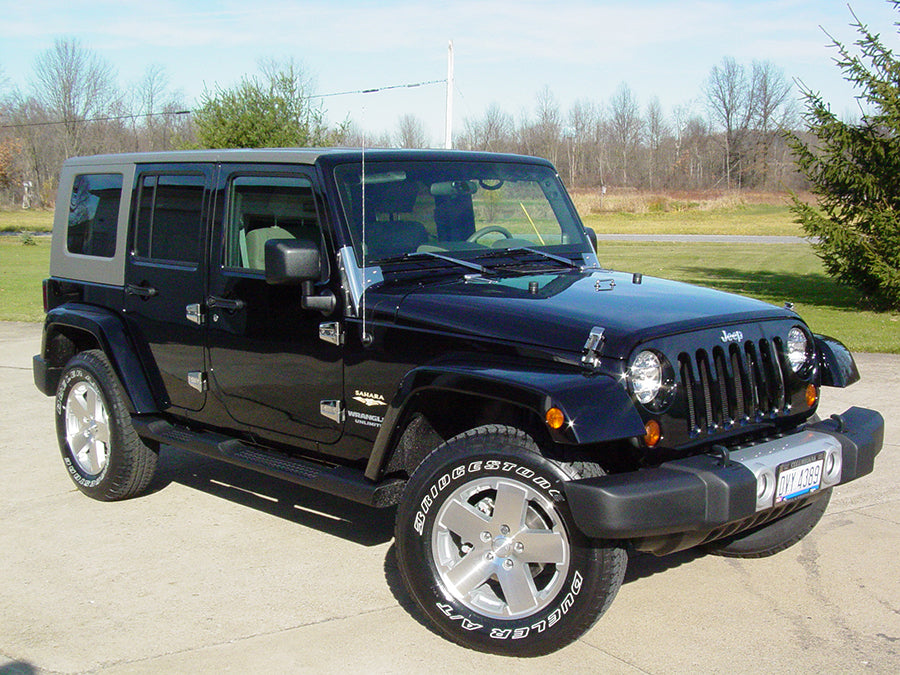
{"x":853,"y":168}
{"x":271,"y":111}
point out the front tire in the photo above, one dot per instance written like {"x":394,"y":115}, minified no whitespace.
{"x":103,"y":454}
{"x":488,"y":549}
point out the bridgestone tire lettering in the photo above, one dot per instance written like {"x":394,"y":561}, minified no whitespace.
{"x":488,"y":503}
{"x":101,"y":451}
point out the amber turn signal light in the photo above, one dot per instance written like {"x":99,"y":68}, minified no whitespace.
{"x":555,"y":418}
{"x":811,"y":395}
{"x":653,"y":433}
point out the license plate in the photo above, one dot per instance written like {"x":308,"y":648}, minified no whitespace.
{"x":799,"y":477}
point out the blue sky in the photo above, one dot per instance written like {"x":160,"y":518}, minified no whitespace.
{"x":505,"y":51}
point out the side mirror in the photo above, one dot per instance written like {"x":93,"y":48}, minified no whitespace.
{"x":297,"y":261}
{"x":292,"y":261}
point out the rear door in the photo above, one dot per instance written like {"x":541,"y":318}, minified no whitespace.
{"x":268,"y":363}
{"x":165,"y":279}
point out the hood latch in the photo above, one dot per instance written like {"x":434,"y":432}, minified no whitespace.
{"x":590,"y":354}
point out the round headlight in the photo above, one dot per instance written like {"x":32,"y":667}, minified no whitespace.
{"x":646,"y":376}
{"x":797,"y":348}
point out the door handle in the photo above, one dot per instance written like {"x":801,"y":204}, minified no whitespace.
{"x":140,"y":291}
{"x":224,"y":303}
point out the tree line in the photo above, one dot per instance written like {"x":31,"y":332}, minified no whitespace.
{"x":730,"y":137}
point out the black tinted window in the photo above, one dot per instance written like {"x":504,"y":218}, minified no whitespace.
{"x":94,"y":214}
{"x":169,"y":218}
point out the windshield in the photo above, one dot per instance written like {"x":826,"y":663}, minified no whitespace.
{"x":400,"y":208}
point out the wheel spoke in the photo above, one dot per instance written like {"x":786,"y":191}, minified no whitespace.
{"x":79,"y":443}
{"x":77,"y":405}
{"x":509,"y":506}
{"x":101,"y":433}
{"x":464,"y":521}
{"x":470,"y":573}
{"x":91,"y":457}
{"x":542,"y":547}
{"x":518,"y":588}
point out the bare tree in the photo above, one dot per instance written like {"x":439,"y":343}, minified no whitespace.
{"x":657,"y":131}
{"x":729,"y":97}
{"x":625,"y":129}
{"x":584,"y":143}
{"x":773,"y":111}
{"x":543,"y":137}
{"x":494,"y":132}
{"x":75,"y":85}
{"x":411,"y":132}
{"x":159,"y":114}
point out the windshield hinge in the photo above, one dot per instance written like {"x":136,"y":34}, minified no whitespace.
{"x":590,"y":354}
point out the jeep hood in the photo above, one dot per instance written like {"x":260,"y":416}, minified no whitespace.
{"x":558,"y":311}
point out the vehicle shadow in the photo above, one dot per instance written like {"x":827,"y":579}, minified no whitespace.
{"x":348,"y":520}
{"x":640,"y":566}
{"x":342,"y":518}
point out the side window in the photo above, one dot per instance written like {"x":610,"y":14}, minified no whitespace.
{"x":267,"y":207}
{"x":94,"y":214}
{"x":169,"y":218}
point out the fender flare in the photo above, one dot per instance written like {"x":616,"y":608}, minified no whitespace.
{"x":111,"y":333}
{"x":836,"y":364}
{"x":597,"y":407}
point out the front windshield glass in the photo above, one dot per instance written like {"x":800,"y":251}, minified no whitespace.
{"x":461,"y":208}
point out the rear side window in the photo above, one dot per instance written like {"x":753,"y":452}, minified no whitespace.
{"x":170,"y":217}
{"x":94,"y":214}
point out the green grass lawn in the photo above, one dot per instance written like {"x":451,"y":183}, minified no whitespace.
{"x":22,"y":269}
{"x":32,"y":220}
{"x":771,"y":272}
{"x":749,"y":219}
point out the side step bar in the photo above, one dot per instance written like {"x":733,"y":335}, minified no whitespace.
{"x":337,"y":480}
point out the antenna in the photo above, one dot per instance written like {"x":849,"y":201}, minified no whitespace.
{"x":448,"y":133}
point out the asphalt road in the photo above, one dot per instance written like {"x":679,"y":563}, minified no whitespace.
{"x":218,"y":570}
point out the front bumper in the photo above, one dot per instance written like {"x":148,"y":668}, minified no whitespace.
{"x":696,"y":496}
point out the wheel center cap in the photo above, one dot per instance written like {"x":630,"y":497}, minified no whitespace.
{"x":502,"y":547}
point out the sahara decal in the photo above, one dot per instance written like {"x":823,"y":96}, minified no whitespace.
{"x":368,"y":399}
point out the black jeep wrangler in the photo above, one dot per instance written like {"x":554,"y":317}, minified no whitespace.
{"x":433,"y":330}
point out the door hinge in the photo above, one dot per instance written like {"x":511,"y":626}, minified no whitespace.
{"x":194,"y":314}
{"x":197,"y":380}
{"x":333,"y":410}
{"x":331,"y":332}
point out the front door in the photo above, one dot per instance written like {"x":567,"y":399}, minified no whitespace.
{"x":267,"y":362}
{"x":165,"y":280}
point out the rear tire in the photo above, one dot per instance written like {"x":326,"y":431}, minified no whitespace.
{"x":774,"y":537}
{"x":103,"y":454}
{"x":488,"y":548}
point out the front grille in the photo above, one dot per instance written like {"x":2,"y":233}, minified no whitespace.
{"x":733,"y":385}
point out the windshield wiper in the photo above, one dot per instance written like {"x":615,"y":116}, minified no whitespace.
{"x":481,"y":269}
{"x":543,"y":254}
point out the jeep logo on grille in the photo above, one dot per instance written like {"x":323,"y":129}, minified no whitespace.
{"x":733,"y":336}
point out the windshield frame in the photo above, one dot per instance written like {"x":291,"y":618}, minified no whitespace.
{"x":437,"y":179}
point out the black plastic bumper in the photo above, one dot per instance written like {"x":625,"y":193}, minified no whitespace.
{"x":703,"y":493}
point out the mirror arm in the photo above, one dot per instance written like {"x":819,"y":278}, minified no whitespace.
{"x":325,"y":303}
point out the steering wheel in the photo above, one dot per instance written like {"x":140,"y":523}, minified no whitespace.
{"x":478,"y":234}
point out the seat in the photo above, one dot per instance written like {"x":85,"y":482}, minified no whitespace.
{"x":389,"y":238}
{"x":255,"y":242}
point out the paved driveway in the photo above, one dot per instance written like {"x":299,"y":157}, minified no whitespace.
{"x":218,"y":570}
